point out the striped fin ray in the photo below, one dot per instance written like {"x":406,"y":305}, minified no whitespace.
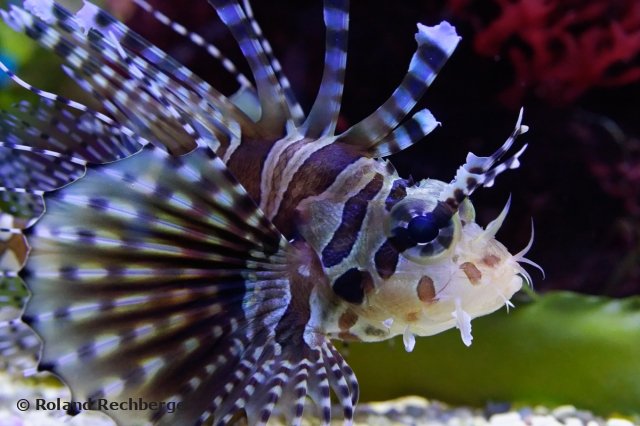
{"x":142,"y":93}
{"x":52,"y":126}
{"x":25,"y":168}
{"x":50,"y":37}
{"x":102,"y":62}
{"x":412,"y":130}
{"x":324,"y":114}
{"x":157,"y":277}
{"x":45,"y":146}
{"x":42,"y":148}
{"x":196,"y":39}
{"x":297,"y":114}
{"x":479,"y":172}
{"x":435,"y":46}
{"x":276,"y":112}
{"x":93,"y":17}
{"x":169,"y":99}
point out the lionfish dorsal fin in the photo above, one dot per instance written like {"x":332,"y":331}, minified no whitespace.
{"x":138,"y":84}
{"x":375,"y":134}
{"x":194,"y":38}
{"x":277,"y":100}
{"x":245,"y":98}
{"x":323,"y":116}
{"x":93,"y":17}
{"x":294,"y":107}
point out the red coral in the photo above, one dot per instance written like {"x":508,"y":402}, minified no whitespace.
{"x":560,"y":48}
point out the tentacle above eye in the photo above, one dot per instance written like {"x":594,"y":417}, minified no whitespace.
{"x":480,"y":171}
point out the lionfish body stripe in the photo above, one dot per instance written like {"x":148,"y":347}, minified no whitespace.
{"x":205,"y":250}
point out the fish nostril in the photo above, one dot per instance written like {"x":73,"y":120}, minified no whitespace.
{"x":426,"y":290}
{"x":491,"y":260}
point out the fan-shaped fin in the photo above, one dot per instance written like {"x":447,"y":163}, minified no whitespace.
{"x":435,"y":46}
{"x":157,"y":277}
{"x":324,"y":114}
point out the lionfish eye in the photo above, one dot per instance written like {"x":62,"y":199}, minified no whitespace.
{"x":420,"y":230}
{"x":423,"y":228}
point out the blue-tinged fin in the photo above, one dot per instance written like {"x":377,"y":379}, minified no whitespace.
{"x":324,"y":114}
{"x":129,"y":80}
{"x":435,"y":46}
{"x":216,"y":107}
{"x":297,"y":114}
{"x":42,"y":148}
{"x":193,"y":37}
{"x":157,"y":277}
{"x":276,"y":112}
{"x":92,"y":17}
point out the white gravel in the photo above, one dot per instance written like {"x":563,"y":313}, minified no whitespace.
{"x":404,"y":411}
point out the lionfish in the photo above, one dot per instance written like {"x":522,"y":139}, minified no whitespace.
{"x":206,"y":250}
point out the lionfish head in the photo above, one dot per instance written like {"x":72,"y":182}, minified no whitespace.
{"x":434,"y":267}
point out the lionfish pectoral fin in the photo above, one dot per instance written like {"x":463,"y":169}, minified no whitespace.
{"x":157,"y":277}
{"x":376,"y":134}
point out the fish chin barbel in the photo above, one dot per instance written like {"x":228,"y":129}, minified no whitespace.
{"x":203,"y":249}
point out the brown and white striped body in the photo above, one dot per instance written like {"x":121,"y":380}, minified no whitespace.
{"x":337,"y":201}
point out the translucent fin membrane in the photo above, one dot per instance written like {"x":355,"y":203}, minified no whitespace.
{"x":157,"y":277}
{"x":324,"y":113}
{"x":132,"y":89}
{"x":93,"y":17}
{"x":435,"y":46}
